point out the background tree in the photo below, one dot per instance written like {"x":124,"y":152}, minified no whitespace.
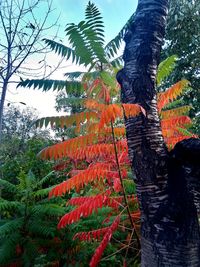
{"x":21,"y":37}
{"x":19,"y":123}
{"x":21,"y":142}
{"x":183,"y":39}
{"x":169,"y":224}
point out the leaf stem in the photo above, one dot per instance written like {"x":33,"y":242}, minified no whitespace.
{"x":122,"y":185}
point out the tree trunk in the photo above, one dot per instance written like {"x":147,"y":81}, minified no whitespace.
{"x":169,"y":224}
{"x":2,"y":100}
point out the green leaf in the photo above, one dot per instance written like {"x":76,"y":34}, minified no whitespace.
{"x":42,"y":193}
{"x":10,"y":227}
{"x":165,"y":68}
{"x":71,"y":101}
{"x":184,"y":131}
{"x":74,"y":75}
{"x":42,"y":229}
{"x":117,"y":62}
{"x":62,"y":50}
{"x":113,"y":46}
{"x":6,"y":205}
{"x":45,"y":179}
{"x":7,"y":186}
{"x":79,"y":43}
{"x":8,"y":248}
{"x":108,"y":79}
{"x":47,"y":85}
{"x":48,"y":210}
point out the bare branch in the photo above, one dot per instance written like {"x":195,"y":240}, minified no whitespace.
{"x":21,"y":34}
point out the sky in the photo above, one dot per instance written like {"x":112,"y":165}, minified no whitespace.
{"x":115,"y":14}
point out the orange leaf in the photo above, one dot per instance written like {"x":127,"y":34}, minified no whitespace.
{"x":171,"y":141}
{"x":94,"y":105}
{"x":78,"y":181}
{"x":132,"y":110}
{"x":166,"y":114}
{"x":110,"y":113}
{"x":63,"y":149}
{"x":171,"y":94}
{"x":175,"y":121}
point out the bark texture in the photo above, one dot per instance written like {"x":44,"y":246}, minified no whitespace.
{"x":169,"y":224}
{"x":2,"y":100}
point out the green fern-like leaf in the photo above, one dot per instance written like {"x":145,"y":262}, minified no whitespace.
{"x":108,"y":79}
{"x":42,"y":229}
{"x":8,"y":248}
{"x":165,"y":68}
{"x":91,"y":75}
{"x":68,"y":121}
{"x":62,"y":50}
{"x":80,"y":74}
{"x":129,"y":186}
{"x":79,"y":42}
{"x":174,"y":104}
{"x":52,"y":210}
{"x":95,"y":32}
{"x":10,"y":227}
{"x":6,"y":205}
{"x":45,"y":179}
{"x":70,"y":101}
{"x":47,"y":85}
{"x":74,"y":75}
{"x":117,"y":62}
{"x":7,"y":186}
{"x":42,"y":193}
{"x":113,"y":46}
{"x":94,"y":20}
{"x":87,"y":37}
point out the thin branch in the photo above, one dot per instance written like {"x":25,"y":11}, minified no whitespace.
{"x":4,"y":26}
{"x":129,"y":244}
{"x":34,"y":40}
{"x":114,"y":253}
{"x":122,"y":185}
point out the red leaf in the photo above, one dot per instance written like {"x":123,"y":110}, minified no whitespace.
{"x":88,"y":236}
{"x":84,"y":210}
{"x":99,"y":251}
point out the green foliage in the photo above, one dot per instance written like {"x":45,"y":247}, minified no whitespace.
{"x":87,"y":47}
{"x":46,"y":85}
{"x":62,"y":50}
{"x":9,"y":187}
{"x":66,"y":103}
{"x":182,"y":39}
{"x":113,"y":46}
{"x":117,"y":62}
{"x":28,"y":219}
{"x":21,"y":142}
{"x":165,"y":68}
{"x":86,"y":38}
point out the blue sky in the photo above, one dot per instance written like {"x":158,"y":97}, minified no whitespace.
{"x":115,"y":14}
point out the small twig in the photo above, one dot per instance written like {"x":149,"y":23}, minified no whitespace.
{"x":107,"y":257}
{"x":129,"y":244}
{"x":123,"y":189}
